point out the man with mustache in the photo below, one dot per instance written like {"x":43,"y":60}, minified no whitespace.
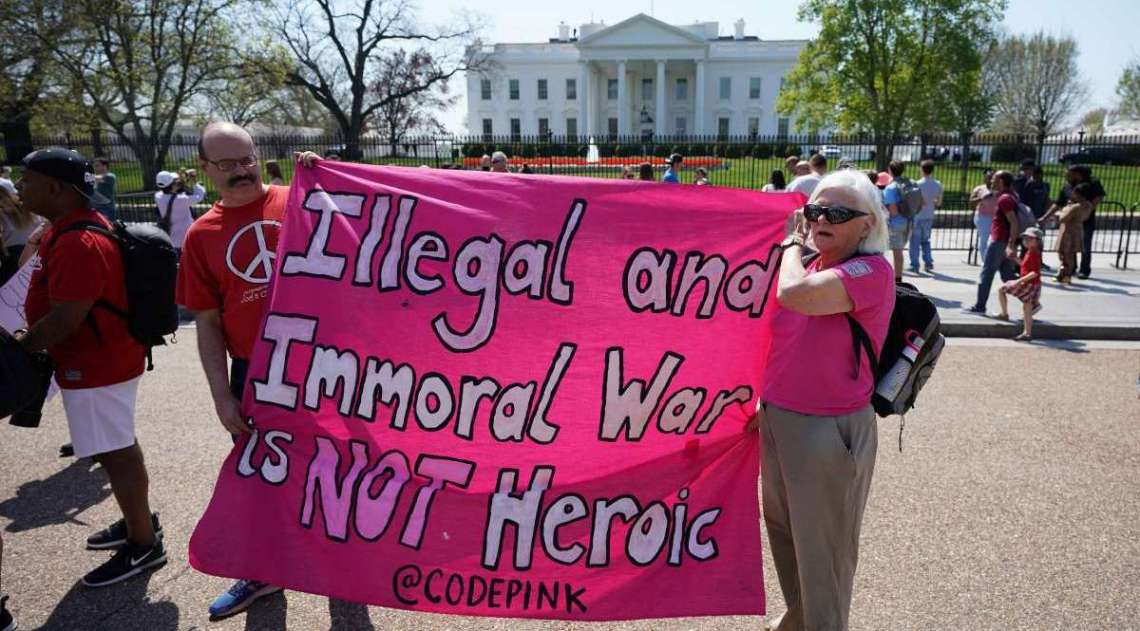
{"x":227,"y":260}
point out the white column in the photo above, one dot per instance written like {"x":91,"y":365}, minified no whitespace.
{"x":585,"y":113}
{"x":623,"y":105}
{"x":662,"y":128}
{"x":699,"y":122}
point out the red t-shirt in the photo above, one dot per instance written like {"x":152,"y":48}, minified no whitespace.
{"x":999,"y":229}
{"x":227,"y":260}
{"x":1031,"y":262}
{"x":81,"y":266}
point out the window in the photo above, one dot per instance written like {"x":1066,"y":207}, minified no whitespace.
{"x":753,"y":126}
{"x":682,"y":90}
{"x":647,"y":90}
{"x":572,"y":127}
{"x":542,"y":89}
{"x":571,"y":89}
{"x":516,"y":129}
{"x":543,"y":127}
{"x":679,"y":126}
{"x":726,"y":88}
{"x":513,"y":87}
{"x":488,"y":128}
{"x":722,"y":128}
{"x":611,"y":89}
{"x":782,"y":126}
{"x":612,"y":127}
{"x":754,"y":88}
{"x":485,"y":89}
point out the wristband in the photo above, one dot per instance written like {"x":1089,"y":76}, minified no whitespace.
{"x":792,"y":239}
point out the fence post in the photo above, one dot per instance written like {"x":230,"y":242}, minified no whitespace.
{"x":1126,"y":235}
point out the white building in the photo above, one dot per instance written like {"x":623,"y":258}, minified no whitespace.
{"x":639,"y":76}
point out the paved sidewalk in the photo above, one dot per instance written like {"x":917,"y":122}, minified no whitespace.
{"x":1104,"y":307}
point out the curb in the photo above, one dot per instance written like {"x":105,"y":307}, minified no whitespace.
{"x":1043,"y":331}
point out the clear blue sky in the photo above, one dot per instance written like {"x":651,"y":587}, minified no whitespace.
{"x":1103,"y":28}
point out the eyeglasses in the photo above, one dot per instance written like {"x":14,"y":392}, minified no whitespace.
{"x":834,"y":214}
{"x":229,"y":164}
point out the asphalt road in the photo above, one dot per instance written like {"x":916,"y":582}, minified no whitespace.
{"x":1014,"y":505}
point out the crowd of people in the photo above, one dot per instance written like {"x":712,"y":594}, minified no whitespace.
{"x":844,"y":221}
{"x":833,"y":273}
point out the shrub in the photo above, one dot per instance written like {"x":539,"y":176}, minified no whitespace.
{"x":733,"y":151}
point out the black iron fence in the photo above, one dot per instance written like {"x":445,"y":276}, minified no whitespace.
{"x":738,"y":161}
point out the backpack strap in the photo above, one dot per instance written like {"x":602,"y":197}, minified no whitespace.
{"x":90,"y":226}
{"x":861,"y":341}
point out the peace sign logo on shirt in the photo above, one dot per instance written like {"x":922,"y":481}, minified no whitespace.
{"x":250,"y":254}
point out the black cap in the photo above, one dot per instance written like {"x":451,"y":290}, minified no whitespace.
{"x":67,"y":166}
{"x":1028,"y":163}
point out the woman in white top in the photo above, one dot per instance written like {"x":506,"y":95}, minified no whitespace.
{"x":16,"y":225}
{"x":174,"y":202}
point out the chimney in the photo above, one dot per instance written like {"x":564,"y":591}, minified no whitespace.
{"x":739,"y":24}
{"x":563,"y":32}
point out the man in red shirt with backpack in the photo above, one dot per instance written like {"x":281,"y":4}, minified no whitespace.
{"x":74,"y":308}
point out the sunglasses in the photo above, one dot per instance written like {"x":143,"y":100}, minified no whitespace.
{"x":834,"y":214}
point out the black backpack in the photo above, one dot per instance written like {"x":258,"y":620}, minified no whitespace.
{"x":150,"y":267}
{"x":912,"y":347}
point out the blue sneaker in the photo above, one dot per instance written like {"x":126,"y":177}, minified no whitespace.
{"x":239,"y":597}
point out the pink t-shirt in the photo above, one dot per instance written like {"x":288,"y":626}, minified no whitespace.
{"x":811,"y":364}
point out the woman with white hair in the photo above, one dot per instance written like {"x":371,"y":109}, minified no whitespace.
{"x":818,"y":430}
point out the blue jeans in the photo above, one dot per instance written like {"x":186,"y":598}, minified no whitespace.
{"x":983,"y":223}
{"x":920,"y":239}
{"x":994,"y":263}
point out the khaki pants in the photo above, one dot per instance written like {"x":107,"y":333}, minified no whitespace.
{"x":815,"y":475}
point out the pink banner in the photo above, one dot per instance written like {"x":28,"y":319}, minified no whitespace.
{"x":506,"y":395}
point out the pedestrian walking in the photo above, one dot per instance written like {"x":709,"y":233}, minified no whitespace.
{"x":1000,"y":253}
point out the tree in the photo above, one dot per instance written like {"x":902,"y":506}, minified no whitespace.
{"x":1093,"y":121}
{"x":26,"y":66}
{"x":1038,"y":85}
{"x":1128,"y":90}
{"x":250,"y":90}
{"x":883,"y":66}
{"x":338,"y":47}
{"x":141,"y":62}
{"x":399,"y":72}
